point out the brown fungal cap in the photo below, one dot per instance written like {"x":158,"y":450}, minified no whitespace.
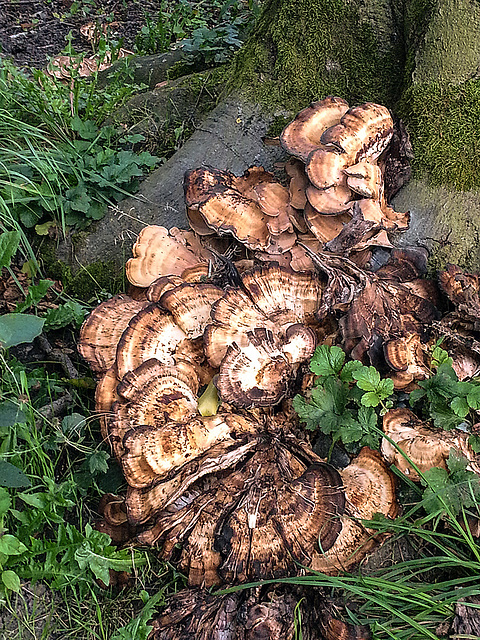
{"x":426,"y":447}
{"x":159,"y":252}
{"x":300,"y":343}
{"x":190,"y":306}
{"x":232,"y":316}
{"x":151,"y":452}
{"x":152,"y":333}
{"x":303,"y":134}
{"x":256,"y":374}
{"x":365,"y":178}
{"x":281,"y":294}
{"x":105,"y":396}
{"x":325,"y":228}
{"x":363,"y":132}
{"x":325,"y":167}
{"x":253,"y":177}
{"x":298,"y":183}
{"x":231,"y":213}
{"x":153,"y":394}
{"x":199,"y":183}
{"x":318,"y":497}
{"x":102,"y":330}
{"x":406,"y":355}
{"x":369,"y":488}
{"x":462,"y":288}
{"x":331,"y":201}
{"x":159,"y":286}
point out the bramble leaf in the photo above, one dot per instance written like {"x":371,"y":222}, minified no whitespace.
{"x":327,"y":361}
{"x":367,"y":378}
{"x":460,"y":407}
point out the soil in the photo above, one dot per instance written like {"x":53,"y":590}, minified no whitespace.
{"x":32,"y":31}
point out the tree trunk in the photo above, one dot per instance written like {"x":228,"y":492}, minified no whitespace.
{"x":419,"y":57}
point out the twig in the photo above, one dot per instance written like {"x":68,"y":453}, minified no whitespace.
{"x":55,"y":408}
{"x":58,"y":356}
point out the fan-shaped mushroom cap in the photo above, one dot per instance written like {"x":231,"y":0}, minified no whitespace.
{"x":280,"y":244}
{"x":233,"y":315}
{"x":197,"y":223}
{"x":406,"y":355}
{"x":325,"y":167}
{"x":420,"y":444}
{"x":318,"y":497}
{"x":190,"y":306}
{"x":152,"y":333}
{"x":300,"y":261}
{"x":198,"y":184}
{"x":406,"y":265}
{"x":197,"y":273}
{"x":363,"y":132}
{"x":302,"y":135}
{"x":298,"y":183}
{"x":153,"y":394}
{"x":274,"y":199}
{"x":462,"y":288}
{"x":281,"y":294}
{"x":159,"y":286}
{"x":331,"y":201}
{"x":365,"y":178}
{"x":425,"y":447}
{"x":256,"y":374}
{"x":105,"y":396}
{"x":103,"y":328}
{"x":230,"y":212}
{"x":369,"y":488}
{"x":143,"y":504}
{"x":300,"y":343}
{"x":159,"y":252}
{"x":325,"y":228}
{"x":152,"y":452}
{"x":247,"y":183}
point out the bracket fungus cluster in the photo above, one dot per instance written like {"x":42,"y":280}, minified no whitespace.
{"x":241,"y":492}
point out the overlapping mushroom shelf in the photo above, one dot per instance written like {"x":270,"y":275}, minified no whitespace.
{"x":244,"y":494}
{"x":240,"y":489}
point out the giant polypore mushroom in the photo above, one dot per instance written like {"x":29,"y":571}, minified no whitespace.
{"x":238,"y":491}
{"x":414,"y":446}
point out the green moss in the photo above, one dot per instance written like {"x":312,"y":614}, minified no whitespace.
{"x":277,"y":126}
{"x":415,"y":20}
{"x":303,"y":50}
{"x":450,"y":50}
{"x":90,"y":282}
{"x":443,"y":122}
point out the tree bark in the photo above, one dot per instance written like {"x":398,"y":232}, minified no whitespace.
{"x":419,"y":57}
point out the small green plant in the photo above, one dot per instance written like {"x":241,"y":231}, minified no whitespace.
{"x":447,"y":400}
{"x":58,"y":163}
{"x":345,"y":399}
{"x":215,"y":31}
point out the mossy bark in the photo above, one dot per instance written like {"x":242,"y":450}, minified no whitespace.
{"x":419,"y":57}
{"x":302,"y":50}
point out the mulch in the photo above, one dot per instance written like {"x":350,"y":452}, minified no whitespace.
{"x":32,"y":31}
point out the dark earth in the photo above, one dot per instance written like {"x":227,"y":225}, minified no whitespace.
{"x":33,"y":31}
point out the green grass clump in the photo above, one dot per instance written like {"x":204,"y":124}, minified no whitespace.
{"x":57,"y":163}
